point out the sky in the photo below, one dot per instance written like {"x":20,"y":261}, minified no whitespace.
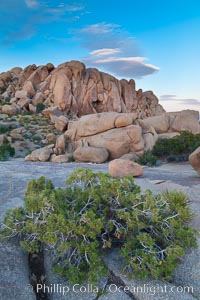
{"x":155,"y":42}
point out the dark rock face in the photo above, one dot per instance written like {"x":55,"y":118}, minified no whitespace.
{"x":76,"y":90}
{"x":14,"y":274}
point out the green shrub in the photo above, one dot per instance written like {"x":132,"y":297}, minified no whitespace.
{"x":71,"y":158}
{"x":148,"y":159}
{"x":184,"y":144}
{"x":40,"y":107}
{"x":94,"y":212}
{"x":25,"y":113}
{"x":23,"y":120}
{"x":7,"y":99}
{"x":6,"y":150}
{"x":4,"y":129}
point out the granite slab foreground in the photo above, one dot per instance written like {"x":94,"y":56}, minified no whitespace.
{"x":14,"y":273}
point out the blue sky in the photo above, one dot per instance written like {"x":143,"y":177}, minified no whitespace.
{"x":155,"y":42}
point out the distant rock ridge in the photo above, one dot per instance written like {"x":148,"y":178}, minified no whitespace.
{"x":75,"y":90}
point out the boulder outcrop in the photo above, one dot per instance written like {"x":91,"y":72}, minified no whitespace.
{"x":100,"y":130}
{"x":118,"y":133}
{"x":168,"y":125}
{"x":91,"y":109}
{"x":93,"y":124}
{"x":117,"y":141}
{"x":185,"y":120}
{"x":77,"y":91}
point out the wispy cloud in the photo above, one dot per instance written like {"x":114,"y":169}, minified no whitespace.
{"x":191,"y":102}
{"x":32,"y":3}
{"x":23,"y":34}
{"x":174,"y":98}
{"x":105,"y":52}
{"x":73,"y":8}
{"x":62,"y":9}
{"x":26,"y":17}
{"x":167,"y":97}
{"x":113,"y":49}
{"x":100,"y":28}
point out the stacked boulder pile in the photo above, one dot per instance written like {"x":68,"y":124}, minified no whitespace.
{"x":76,"y":91}
{"x":117,"y":137}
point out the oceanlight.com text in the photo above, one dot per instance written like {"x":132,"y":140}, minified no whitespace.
{"x":113,"y":288}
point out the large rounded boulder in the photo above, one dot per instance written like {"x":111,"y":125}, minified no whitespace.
{"x":91,"y":154}
{"x":119,"y":168}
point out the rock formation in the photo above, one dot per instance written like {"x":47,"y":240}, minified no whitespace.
{"x":90,"y":115}
{"x":106,"y":136}
{"x":75,"y":90}
{"x":185,"y":120}
{"x":113,"y":131}
{"x":194,"y":160}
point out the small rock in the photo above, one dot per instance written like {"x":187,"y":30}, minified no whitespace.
{"x":51,"y":111}
{"x":32,"y":108}
{"x":119,"y":168}
{"x":38,"y":98}
{"x":61,"y":123}
{"x":51,"y":137}
{"x":24,"y":102}
{"x":44,"y":142}
{"x":21,"y":94}
{"x":42,"y":154}
{"x":28,"y":87}
{"x":60,"y":144}
{"x":16,"y":134}
{"x":10,"y":109}
{"x":130,"y":156}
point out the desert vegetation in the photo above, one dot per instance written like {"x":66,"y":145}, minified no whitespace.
{"x":95,"y":213}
